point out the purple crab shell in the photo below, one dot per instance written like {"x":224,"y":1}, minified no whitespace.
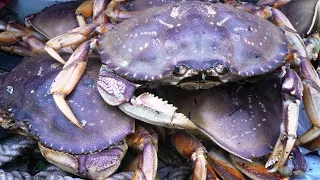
{"x":55,"y":20}
{"x":197,"y":35}
{"x":244,"y":120}
{"x":26,"y":92}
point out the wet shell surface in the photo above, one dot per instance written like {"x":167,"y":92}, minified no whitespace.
{"x":26,"y":93}
{"x":194,"y":34}
{"x":244,"y":120}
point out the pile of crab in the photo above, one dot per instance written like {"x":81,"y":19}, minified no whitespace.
{"x":221,"y":83}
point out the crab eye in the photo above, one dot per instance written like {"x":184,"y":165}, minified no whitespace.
{"x":180,"y":69}
{"x":221,"y":69}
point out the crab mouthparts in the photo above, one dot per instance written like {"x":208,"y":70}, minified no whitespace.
{"x":199,"y":82}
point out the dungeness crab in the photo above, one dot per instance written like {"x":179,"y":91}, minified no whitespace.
{"x":194,"y":45}
{"x":97,"y":151}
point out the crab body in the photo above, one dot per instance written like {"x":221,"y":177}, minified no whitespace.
{"x":95,"y":152}
{"x":176,"y":41}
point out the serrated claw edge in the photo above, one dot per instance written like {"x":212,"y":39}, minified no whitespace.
{"x":154,"y":110}
{"x":154,"y":102}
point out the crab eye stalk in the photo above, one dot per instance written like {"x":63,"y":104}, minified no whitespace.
{"x":180,"y":70}
{"x":218,"y":70}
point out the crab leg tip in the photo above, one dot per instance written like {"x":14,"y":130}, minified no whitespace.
{"x":65,"y":109}
{"x":54,"y":54}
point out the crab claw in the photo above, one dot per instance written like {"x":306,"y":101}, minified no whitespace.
{"x":292,"y":94}
{"x":68,"y":78}
{"x":118,"y":91}
{"x":254,"y":170}
{"x":153,"y":110}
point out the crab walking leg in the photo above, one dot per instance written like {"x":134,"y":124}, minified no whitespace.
{"x":98,"y":165}
{"x":311,"y":99}
{"x":218,"y":160}
{"x":310,"y":79}
{"x":254,"y":170}
{"x":309,"y":76}
{"x":14,"y":27}
{"x":99,"y":11}
{"x":73,"y":37}
{"x":292,"y":96}
{"x":145,"y":143}
{"x":68,"y":78}
{"x":84,"y":11}
{"x":15,"y":33}
{"x":274,"y":3}
{"x":113,"y":11}
{"x":17,"y":49}
{"x":8,"y":38}
{"x":92,"y":7}
{"x":190,"y":148}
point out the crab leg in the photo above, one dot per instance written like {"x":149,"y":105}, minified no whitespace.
{"x":254,"y":170}
{"x":92,"y":7}
{"x":311,"y":99}
{"x":75,"y":36}
{"x":292,"y":95}
{"x":84,"y":11}
{"x":292,"y":89}
{"x":68,"y":78}
{"x":14,"y":27}
{"x":274,"y":3}
{"x":99,"y":13}
{"x":143,"y":141}
{"x":17,"y":49}
{"x":219,"y":161}
{"x":115,"y":14}
{"x":14,"y":34}
{"x":296,"y":165}
{"x":310,"y":78}
{"x":190,"y":148}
